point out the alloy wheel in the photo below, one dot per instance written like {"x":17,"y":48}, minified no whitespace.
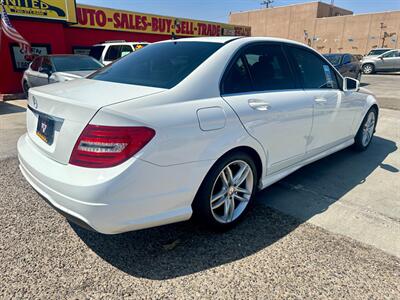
{"x":368,"y":129}
{"x":368,"y":69}
{"x":231,"y":191}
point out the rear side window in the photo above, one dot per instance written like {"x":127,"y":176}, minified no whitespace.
{"x":113,"y":53}
{"x":36,"y":63}
{"x":96,"y":52}
{"x":125,"y":50}
{"x":346,"y":59}
{"x":161,"y":65}
{"x":269,"y":68}
{"x":390,"y":54}
{"x":237,"y":79}
{"x":314,"y":72}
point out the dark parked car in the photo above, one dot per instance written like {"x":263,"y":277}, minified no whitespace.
{"x":346,"y":64}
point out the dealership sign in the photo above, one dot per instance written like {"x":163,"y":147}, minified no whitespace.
{"x":21,"y":61}
{"x":62,"y":10}
{"x":110,"y":19}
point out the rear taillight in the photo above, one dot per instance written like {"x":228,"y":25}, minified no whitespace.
{"x":107,"y":146}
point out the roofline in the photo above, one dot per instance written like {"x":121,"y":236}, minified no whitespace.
{"x":288,"y":5}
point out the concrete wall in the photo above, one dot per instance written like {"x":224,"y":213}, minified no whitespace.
{"x":318,"y":25}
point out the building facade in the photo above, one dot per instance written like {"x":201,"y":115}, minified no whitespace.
{"x":62,"y":27}
{"x":326,"y":28}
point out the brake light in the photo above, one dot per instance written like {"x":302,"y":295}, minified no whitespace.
{"x":108,"y":146}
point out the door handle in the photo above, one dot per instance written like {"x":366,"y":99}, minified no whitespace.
{"x":320,"y":100}
{"x":258,"y":104}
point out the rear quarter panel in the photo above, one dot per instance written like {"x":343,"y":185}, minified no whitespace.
{"x":179,"y":138}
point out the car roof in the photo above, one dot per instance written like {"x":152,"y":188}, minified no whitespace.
{"x":239,"y":39}
{"x":120,"y":43}
{"x":211,"y":39}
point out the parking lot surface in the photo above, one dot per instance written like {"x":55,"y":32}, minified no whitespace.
{"x":386,"y":87}
{"x":330,"y":230}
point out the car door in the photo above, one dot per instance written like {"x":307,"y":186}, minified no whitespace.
{"x":333,"y":109}
{"x":354,"y":67}
{"x":396,"y":60}
{"x":32,"y":73}
{"x":387,"y":61}
{"x":261,"y":88}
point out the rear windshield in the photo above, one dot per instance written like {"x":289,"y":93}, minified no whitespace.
{"x":334,"y":59}
{"x":161,"y":65}
{"x":96,"y":52}
{"x":378,"y":52}
{"x":75,"y":63}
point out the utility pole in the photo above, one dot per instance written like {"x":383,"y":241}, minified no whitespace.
{"x":267,"y":3}
{"x":380,"y":34}
{"x":331,"y":8}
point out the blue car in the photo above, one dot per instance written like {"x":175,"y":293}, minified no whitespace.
{"x":346,"y":64}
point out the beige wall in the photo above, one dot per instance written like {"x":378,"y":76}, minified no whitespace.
{"x":346,"y":33}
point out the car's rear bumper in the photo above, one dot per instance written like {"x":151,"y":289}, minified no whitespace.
{"x":131,"y":196}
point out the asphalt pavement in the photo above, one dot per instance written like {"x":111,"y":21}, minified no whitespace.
{"x":386,"y":86}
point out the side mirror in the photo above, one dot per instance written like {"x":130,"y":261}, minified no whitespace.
{"x":351,"y":85}
{"x":46,"y":70}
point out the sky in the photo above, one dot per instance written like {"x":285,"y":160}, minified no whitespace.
{"x":218,"y":10}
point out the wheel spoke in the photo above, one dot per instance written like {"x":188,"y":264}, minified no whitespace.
{"x":229,"y":175}
{"x":229,"y":209}
{"x":240,"y":198}
{"x":243,"y":191}
{"x":218,"y":196}
{"x":218,"y":203}
{"x":241,"y":175}
{"x":224,"y":179}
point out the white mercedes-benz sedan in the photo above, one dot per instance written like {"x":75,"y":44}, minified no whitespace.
{"x":188,"y":128}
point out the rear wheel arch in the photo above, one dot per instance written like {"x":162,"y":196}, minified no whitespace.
{"x":201,"y":208}
{"x":243,"y":149}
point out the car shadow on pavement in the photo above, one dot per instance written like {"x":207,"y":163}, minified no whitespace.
{"x":6,"y":108}
{"x":181,"y":249}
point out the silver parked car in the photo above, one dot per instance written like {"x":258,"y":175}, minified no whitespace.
{"x":48,"y":69}
{"x":386,"y":62}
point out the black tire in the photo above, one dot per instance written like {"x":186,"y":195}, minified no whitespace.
{"x":368,"y":69}
{"x":202,"y":212}
{"x":358,"y":140}
{"x":25,"y":88}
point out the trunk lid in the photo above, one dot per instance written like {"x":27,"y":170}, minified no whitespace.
{"x":69,"y":107}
